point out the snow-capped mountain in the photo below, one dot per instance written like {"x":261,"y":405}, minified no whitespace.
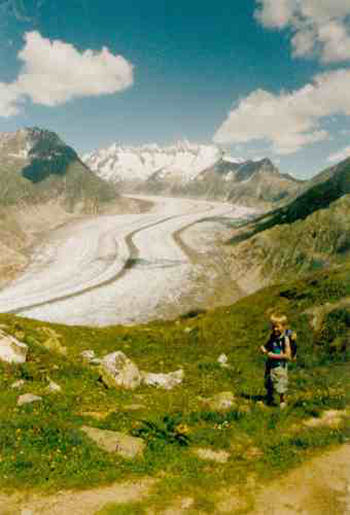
{"x":183,"y":161}
{"x":190,"y":169}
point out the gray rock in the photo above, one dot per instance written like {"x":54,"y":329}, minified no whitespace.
{"x":118,"y":371}
{"x":134,"y":407}
{"x":220,"y":402}
{"x":28,"y":398}
{"x":88,"y":355}
{"x":12,"y":350}
{"x":223,"y":360}
{"x":165,"y":381}
{"x":53,"y":387}
{"x":18,"y":384}
{"x":52,"y":341}
{"x":220,"y":456}
{"x":127,"y":446}
{"x":95,"y":361}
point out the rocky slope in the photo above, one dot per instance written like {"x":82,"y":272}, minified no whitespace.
{"x":194,"y":170}
{"x":43,"y":184}
{"x":36,"y":165}
{"x":250,"y":182}
{"x":311,"y":232}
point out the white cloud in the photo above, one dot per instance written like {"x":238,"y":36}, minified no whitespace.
{"x":336,"y":42}
{"x":321,"y":10}
{"x":9,"y":100}
{"x":339,"y":156}
{"x":318,"y":26}
{"x":275,"y":14}
{"x":54,"y":72}
{"x":289,"y":121}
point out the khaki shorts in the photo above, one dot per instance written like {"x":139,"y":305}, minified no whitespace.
{"x":278,"y":379}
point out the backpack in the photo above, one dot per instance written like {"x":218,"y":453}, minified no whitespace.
{"x":292,"y":335}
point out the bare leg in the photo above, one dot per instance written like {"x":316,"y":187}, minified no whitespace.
{"x":282,"y":400}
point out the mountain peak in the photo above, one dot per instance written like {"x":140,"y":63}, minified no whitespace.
{"x":31,"y":155}
{"x":186,"y":168}
{"x":183,"y":160}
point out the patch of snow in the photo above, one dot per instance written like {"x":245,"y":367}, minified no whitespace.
{"x":235,"y":160}
{"x":184,"y":161}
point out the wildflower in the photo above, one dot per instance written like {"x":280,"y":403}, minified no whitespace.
{"x":182,"y":428}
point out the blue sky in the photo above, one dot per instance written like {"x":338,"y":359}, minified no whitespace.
{"x":259,"y":77}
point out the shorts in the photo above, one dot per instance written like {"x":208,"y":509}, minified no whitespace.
{"x":277,"y":379}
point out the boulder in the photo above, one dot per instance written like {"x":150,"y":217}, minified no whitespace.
{"x":18,"y":384}
{"x":53,"y":387}
{"x":118,"y":371}
{"x":165,"y":381}
{"x":12,"y":350}
{"x":330,"y":418}
{"x":53,"y":341}
{"x":28,"y":398}
{"x":220,"y":456}
{"x":223,"y":360}
{"x":220,"y":402}
{"x":114,"y":441}
{"x":88,"y":355}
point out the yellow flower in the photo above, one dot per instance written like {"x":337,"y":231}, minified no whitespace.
{"x":182,"y":428}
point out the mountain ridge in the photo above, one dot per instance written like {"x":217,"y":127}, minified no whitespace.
{"x":36,"y":165}
{"x":310,"y":232}
{"x":43,"y":184}
{"x":189,"y":169}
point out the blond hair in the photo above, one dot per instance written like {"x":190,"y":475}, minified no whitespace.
{"x":278,"y":319}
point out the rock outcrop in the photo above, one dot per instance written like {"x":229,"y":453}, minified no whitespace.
{"x":117,"y":370}
{"x":28,"y":398}
{"x":129,"y":447}
{"x":12,"y":350}
{"x":165,"y":381}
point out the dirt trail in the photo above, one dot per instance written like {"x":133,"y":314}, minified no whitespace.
{"x":319,"y":487}
{"x":85,"y":502}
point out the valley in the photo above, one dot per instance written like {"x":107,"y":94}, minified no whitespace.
{"x":175,"y":257}
{"x":116,"y":268}
{"x":140,"y":321}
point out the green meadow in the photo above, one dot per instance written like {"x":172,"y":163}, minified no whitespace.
{"x":43,"y":448}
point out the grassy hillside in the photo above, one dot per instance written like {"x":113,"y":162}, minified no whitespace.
{"x":43,"y":447}
{"x":253,"y":183}
{"x":310,"y":233}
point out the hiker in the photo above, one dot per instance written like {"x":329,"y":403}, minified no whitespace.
{"x":278,"y":353}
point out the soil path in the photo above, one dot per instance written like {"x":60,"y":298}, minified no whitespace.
{"x":319,"y":487}
{"x":85,"y":502}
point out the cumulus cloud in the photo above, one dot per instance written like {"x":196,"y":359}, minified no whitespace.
{"x":54,"y":72}
{"x":319,"y":27}
{"x":275,"y":13}
{"x":340,"y":155}
{"x":9,"y":100}
{"x":289,"y":121}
